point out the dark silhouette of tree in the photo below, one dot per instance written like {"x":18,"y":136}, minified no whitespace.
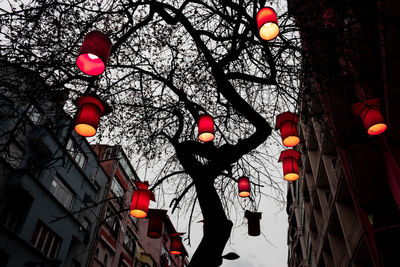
{"x":172,"y":61}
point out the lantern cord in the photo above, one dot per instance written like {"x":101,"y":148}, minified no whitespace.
{"x":178,"y":199}
{"x":80,"y":210}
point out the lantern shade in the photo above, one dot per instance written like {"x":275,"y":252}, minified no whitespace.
{"x":371,"y":116}
{"x":244,"y":186}
{"x":289,"y":159}
{"x":206,"y":128}
{"x":155,"y":224}
{"x":140,"y":200}
{"x":287,"y":124}
{"x":267,"y":23}
{"x":94,"y":53}
{"x":253,"y":219}
{"x":176,"y":247}
{"x":90,"y":108}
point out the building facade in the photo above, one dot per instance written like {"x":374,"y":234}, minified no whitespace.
{"x":159,"y":248}
{"x":49,"y":178}
{"x":344,"y":209}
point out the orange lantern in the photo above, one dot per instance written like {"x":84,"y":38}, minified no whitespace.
{"x":140,"y":200}
{"x":287,"y":124}
{"x":371,"y":116}
{"x":290,"y":164}
{"x":267,"y":23}
{"x":90,"y":108}
{"x":253,"y":219}
{"x":94,"y":53}
{"x":155,"y":224}
{"x":244,"y":186}
{"x":176,"y":247}
{"x":206,"y":128}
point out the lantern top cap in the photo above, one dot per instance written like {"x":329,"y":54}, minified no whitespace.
{"x":254,"y":215}
{"x":145,"y":186}
{"x":99,"y":34}
{"x":266,"y":14}
{"x":286,"y":116}
{"x":366,"y":104}
{"x":92,"y":98}
{"x":205,"y":115}
{"x":289,"y":153}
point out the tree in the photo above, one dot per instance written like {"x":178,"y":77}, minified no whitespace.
{"x":172,"y":61}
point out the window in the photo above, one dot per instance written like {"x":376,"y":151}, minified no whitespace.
{"x":46,"y":240}
{"x":105,"y":259}
{"x":86,"y":224}
{"x":34,"y":115}
{"x":129,"y":241}
{"x":76,"y":153}
{"x":113,"y":221}
{"x":61,"y":192}
{"x":116,"y":187}
{"x":14,"y":155}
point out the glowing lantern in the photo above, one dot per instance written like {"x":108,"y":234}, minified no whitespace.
{"x":253,"y":221}
{"x":94,"y":53}
{"x":155,"y":224}
{"x":371,"y":116}
{"x":140,"y":200}
{"x":244,"y":187}
{"x":287,"y":123}
{"x":290,"y":164}
{"x":176,"y":247}
{"x":267,"y":23}
{"x":90,"y":108}
{"x":206,"y":128}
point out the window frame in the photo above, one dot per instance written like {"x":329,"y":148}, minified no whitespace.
{"x":76,"y":152}
{"x":40,"y":236}
{"x":66,"y":190}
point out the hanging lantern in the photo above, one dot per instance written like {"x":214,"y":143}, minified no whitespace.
{"x":287,"y":124}
{"x":371,"y":116}
{"x":267,"y":23}
{"x":244,"y":186}
{"x":253,"y":222}
{"x":176,"y":247}
{"x":155,"y":224}
{"x":94,"y":53}
{"x":90,"y":108}
{"x":140,"y":200}
{"x":289,"y":159}
{"x":206,"y":128}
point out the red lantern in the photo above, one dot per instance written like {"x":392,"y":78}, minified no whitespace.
{"x":176,"y":247}
{"x":253,"y":219}
{"x":371,"y":116}
{"x":244,"y":187}
{"x":267,"y":23}
{"x":290,"y":164}
{"x":90,"y":108}
{"x":94,"y":53}
{"x":206,"y":128}
{"x":155,"y":224}
{"x":287,"y":123}
{"x":140,"y":200}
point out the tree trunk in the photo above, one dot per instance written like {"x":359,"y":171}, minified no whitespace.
{"x":217,"y":227}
